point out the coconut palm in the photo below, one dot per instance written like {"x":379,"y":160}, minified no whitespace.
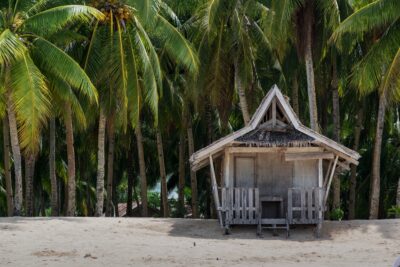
{"x":125,"y":42}
{"x":228,"y":34}
{"x":294,"y":21}
{"x":378,"y":70}
{"x":25,"y":53}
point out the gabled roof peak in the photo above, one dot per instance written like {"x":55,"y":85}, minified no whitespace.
{"x":273,"y":103}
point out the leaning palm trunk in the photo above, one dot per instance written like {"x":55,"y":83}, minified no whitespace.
{"x":100,"y":164}
{"x":336,"y":130}
{"x":181,"y":182}
{"x":142,"y":170}
{"x":7,"y":167}
{"x":110,"y":166}
{"x":163,"y":174}
{"x":16,"y":151}
{"x":312,"y":99}
{"x":193,"y":176}
{"x":353,"y":177}
{"x":71,"y":161}
{"x":29,"y":173}
{"x":242,"y":94}
{"x":376,"y":160}
{"x":52,"y":167}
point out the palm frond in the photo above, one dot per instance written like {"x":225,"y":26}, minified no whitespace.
{"x":122,"y":81}
{"x":391,"y":83}
{"x":330,"y":11}
{"x":150,"y":88}
{"x":55,"y":19}
{"x":63,"y":93}
{"x":133,"y":85}
{"x":146,"y":10}
{"x":60,"y":64}
{"x":212,"y":7}
{"x":374,"y":15}
{"x":368,"y":73}
{"x":31,"y":101}
{"x":177,"y":46}
{"x":11,"y":48}
{"x":152,"y":54}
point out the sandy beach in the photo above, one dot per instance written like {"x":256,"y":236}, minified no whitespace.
{"x":184,"y":242}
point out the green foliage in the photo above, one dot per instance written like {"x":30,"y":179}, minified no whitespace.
{"x":394,"y":212}
{"x":337,"y":214}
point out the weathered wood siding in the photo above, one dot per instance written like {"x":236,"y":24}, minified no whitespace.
{"x":270,"y":173}
{"x":275,"y":175}
{"x":305,"y":173}
{"x":245,"y":171}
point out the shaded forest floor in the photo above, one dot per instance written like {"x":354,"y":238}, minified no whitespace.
{"x":183,"y":242}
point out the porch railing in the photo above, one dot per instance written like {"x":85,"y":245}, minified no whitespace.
{"x":305,"y":205}
{"x":240,"y":205}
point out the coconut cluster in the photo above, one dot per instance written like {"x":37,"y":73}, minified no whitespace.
{"x":114,"y":7}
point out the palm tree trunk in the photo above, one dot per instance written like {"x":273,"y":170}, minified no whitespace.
{"x":71,"y":202}
{"x":376,"y":160}
{"x":295,"y":93}
{"x":336,"y":130}
{"x":193,"y":176}
{"x":7,"y":167}
{"x":163,"y":174}
{"x":242,"y":94}
{"x":353,"y":176}
{"x":16,"y":151}
{"x":29,"y":173}
{"x":110,"y":165}
{"x":131,"y":178}
{"x":398,"y":194}
{"x":181,"y":182}
{"x":52,"y":167}
{"x":308,"y":58}
{"x":100,"y":164}
{"x":142,"y":170}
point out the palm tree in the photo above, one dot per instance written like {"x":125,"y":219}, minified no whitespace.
{"x":125,"y":43}
{"x":24,"y":56}
{"x":228,"y":35}
{"x":294,"y":21}
{"x":378,"y":70}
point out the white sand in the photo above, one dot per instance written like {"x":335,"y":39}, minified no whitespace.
{"x":179,"y":242}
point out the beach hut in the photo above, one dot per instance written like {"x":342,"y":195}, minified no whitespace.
{"x":275,"y":171}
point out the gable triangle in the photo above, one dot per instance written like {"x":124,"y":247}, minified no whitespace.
{"x":275,"y":110}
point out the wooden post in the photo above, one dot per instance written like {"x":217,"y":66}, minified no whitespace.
{"x":215,"y":191}
{"x":290,"y":203}
{"x":330,"y":180}
{"x":274,"y":112}
{"x":318,"y":202}
{"x":227,"y":166}
{"x":327,"y":173}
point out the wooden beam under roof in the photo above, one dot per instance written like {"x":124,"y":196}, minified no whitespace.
{"x":291,"y":156}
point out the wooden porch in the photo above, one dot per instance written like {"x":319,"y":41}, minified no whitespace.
{"x":244,"y":206}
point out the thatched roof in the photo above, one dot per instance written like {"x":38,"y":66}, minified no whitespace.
{"x":275,"y":138}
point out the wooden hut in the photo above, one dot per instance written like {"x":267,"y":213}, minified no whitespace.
{"x":275,"y":171}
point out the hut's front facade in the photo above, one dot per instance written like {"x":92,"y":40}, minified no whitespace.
{"x":275,"y":171}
